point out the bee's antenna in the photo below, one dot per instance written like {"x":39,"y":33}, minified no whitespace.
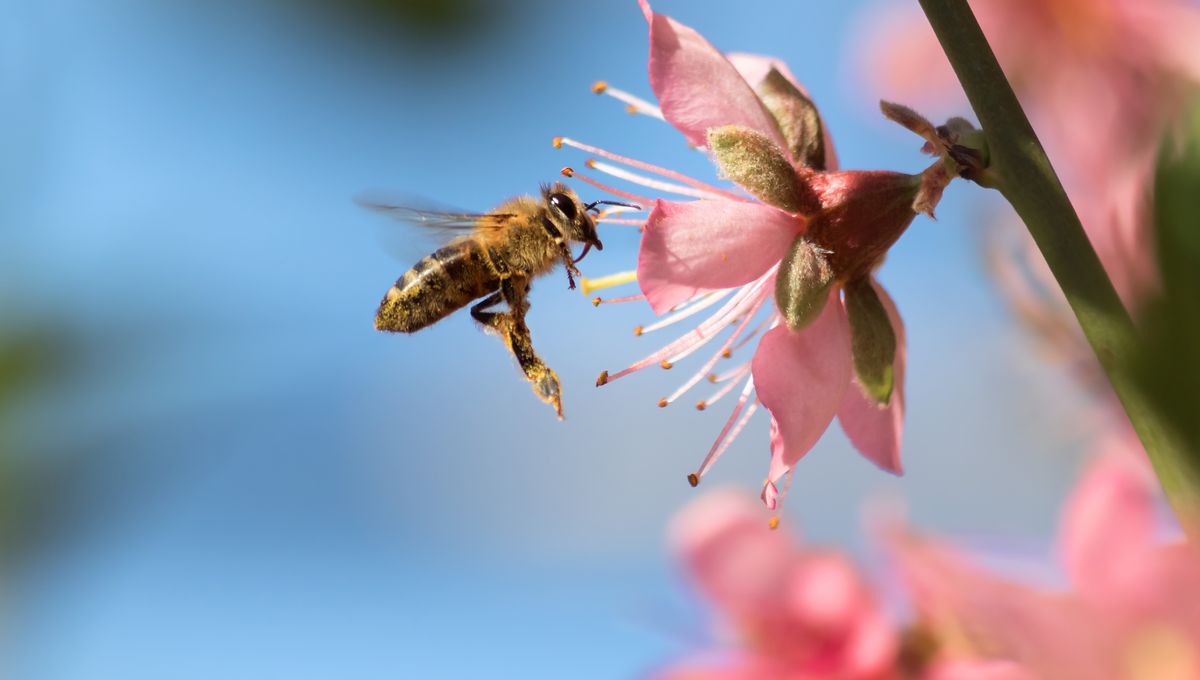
{"x":593,"y":204}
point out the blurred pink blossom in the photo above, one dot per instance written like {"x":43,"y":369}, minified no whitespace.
{"x":1101,"y":81}
{"x":1132,"y":611}
{"x":790,"y":611}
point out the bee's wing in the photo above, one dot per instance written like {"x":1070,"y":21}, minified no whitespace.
{"x":450,"y":220}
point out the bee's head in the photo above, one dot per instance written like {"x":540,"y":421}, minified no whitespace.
{"x":572,"y":217}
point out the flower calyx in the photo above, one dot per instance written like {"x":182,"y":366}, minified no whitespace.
{"x":803,"y":283}
{"x":797,"y":117}
{"x":961,"y":147}
{"x":872,"y":340}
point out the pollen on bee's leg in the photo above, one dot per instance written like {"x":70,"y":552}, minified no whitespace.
{"x":602,"y":379}
{"x":588,"y":284}
{"x":648,"y":167}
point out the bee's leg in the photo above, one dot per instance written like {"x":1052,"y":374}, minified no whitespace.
{"x":569,"y":263}
{"x":511,"y":328}
{"x":487,"y":318}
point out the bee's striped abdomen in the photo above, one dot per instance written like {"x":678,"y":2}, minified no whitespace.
{"x":437,"y":285}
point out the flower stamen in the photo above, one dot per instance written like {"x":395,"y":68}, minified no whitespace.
{"x":707,"y":367}
{"x":570,"y":172}
{"x":597,"y":301}
{"x":648,"y":167}
{"x":707,"y":300}
{"x":733,"y":427}
{"x":649,"y":182}
{"x":632,"y":103}
{"x":589,"y":284}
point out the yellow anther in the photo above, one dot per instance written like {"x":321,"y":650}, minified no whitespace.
{"x":773,"y":522}
{"x":591,"y":163}
{"x":712,"y":378}
{"x":631,"y":109}
{"x":726,"y":354}
{"x":587,"y":285}
{"x":666,"y":365}
{"x":700,"y":405}
{"x":557,"y":141}
{"x":599,"y":87}
{"x":693,"y":479}
{"x":596,"y":301}
{"x":662,"y":403}
{"x":603,"y":379}
{"x":567,"y":171}
{"x":637,"y":330}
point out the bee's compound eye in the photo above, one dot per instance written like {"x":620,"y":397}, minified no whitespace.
{"x":564,"y":204}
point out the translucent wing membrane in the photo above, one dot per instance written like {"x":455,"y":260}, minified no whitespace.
{"x":438,"y":218}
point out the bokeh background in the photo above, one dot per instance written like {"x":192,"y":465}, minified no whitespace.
{"x":212,"y":465}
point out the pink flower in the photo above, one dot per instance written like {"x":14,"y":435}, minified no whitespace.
{"x":799,"y":259}
{"x":1133,"y":611}
{"x":792,"y":611}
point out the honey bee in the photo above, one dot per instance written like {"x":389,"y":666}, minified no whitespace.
{"x":522,"y":239}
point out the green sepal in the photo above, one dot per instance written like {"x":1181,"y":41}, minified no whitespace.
{"x":797,"y":117}
{"x":752,"y":160}
{"x":802,"y":284}
{"x":872,"y":340}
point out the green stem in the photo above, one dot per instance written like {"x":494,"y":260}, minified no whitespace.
{"x":1025,"y":177}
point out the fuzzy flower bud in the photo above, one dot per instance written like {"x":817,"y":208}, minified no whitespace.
{"x":752,"y":159}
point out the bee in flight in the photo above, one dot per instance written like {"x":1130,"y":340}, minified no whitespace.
{"x":497,"y":259}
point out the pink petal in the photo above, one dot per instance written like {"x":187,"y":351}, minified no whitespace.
{"x":697,"y":88}
{"x":801,"y":378}
{"x":703,"y":245}
{"x":876,"y":432}
{"x":1107,"y":537}
{"x":755,"y":67}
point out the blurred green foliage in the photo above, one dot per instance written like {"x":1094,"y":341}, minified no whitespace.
{"x":422,"y":21}
{"x":1168,"y":367}
{"x":29,"y":361}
